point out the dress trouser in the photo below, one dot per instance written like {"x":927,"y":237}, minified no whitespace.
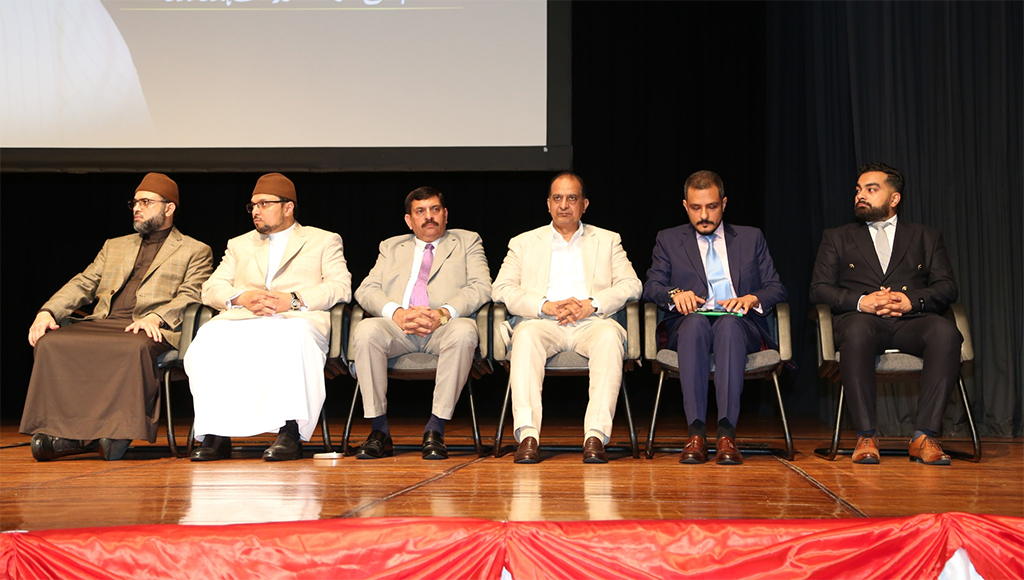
{"x":860,"y":337}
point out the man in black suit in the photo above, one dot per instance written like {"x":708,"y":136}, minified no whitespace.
{"x":717,"y":281}
{"x":888,"y":282}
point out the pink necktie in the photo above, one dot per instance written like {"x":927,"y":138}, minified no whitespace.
{"x":419,"y":290}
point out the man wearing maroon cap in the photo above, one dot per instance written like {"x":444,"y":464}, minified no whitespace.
{"x":258,"y":366}
{"x":84,"y":394}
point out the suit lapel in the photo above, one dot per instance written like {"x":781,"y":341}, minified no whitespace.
{"x":862,"y":239}
{"x":589,"y":247}
{"x":693,"y":253}
{"x":904,"y":235}
{"x":295,"y":242}
{"x":732,"y":248}
{"x":170,"y":245}
{"x":542,"y":258}
{"x":261,"y":248}
{"x":124,"y":267}
{"x":442,"y":249}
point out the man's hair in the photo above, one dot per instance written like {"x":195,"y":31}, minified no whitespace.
{"x":892,"y":175}
{"x":704,"y":179}
{"x":569,"y":175}
{"x":421,"y":193}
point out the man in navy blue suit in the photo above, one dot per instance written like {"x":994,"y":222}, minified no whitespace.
{"x":717,"y":281}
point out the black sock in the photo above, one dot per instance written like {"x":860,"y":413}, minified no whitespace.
{"x":698,"y":428}
{"x":290,"y":427}
{"x":380,"y":424}
{"x":726,"y":429}
{"x":435,"y":424}
{"x":868,"y":433}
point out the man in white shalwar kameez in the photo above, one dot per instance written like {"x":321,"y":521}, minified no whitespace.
{"x":257,"y":367}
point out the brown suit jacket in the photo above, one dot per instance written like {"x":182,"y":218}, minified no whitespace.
{"x":171,"y":283}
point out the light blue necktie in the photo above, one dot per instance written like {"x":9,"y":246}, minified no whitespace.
{"x":718,"y":285}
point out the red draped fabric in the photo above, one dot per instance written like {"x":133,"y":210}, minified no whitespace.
{"x":912,"y":547}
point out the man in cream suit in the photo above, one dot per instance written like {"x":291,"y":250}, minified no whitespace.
{"x":422,"y":293}
{"x":258,"y":366}
{"x":565,"y":280}
{"x":86,"y":394}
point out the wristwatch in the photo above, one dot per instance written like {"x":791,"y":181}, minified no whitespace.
{"x":673,"y":292}
{"x":296,"y":303}
{"x":444,"y":316}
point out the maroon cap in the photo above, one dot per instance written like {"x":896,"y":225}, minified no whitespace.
{"x":160,"y":184}
{"x":276,"y":184}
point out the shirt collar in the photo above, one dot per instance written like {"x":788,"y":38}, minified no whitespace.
{"x":715,"y":234}
{"x":575,"y":236}
{"x":283,"y":234}
{"x":891,"y":221}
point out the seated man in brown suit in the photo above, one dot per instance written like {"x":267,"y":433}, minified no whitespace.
{"x":94,"y":384}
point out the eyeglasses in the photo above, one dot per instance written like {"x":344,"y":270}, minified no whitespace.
{"x":144,"y":202}
{"x":263,"y":205}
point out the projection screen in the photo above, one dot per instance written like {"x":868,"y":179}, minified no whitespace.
{"x":321,"y":85}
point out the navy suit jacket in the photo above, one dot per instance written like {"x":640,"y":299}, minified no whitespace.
{"x":676,"y":263}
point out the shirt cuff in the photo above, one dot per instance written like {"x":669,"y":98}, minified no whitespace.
{"x":389,"y":310}
{"x":597,"y":306}
{"x":234,"y":306}
{"x":452,"y":311}
{"x":858,"y":302}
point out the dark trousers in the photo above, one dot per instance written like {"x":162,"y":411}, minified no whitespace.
{"x":729,"y":339}
{"x":861,"y":337}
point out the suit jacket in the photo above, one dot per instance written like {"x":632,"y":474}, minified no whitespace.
{"x":847,"y":268}
{"x":313,"y":265}
{"x":459,"y":276}
{"x":676,"y":263}
{"x":522,"y":281}
{"x":170,"y":285}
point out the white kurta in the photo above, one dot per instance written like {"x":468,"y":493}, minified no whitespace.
{"x":250,"y":376}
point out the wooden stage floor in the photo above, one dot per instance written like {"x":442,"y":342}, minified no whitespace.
{"x":149,"y":487}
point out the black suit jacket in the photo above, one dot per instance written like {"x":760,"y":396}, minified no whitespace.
{"x":847,"y":268}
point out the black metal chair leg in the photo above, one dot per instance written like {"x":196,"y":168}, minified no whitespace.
{"x":348,"y":423}
{"x":970,"y":421}
{"x":834,"y":450}
{"x":629,"y":419}
{"x":172,"y":442}
{"x":500,"y":433}
{"x":782,"y":413}
{"x":649,"y":451}
{"x":472,"y":414}
{"x":191,"y":441}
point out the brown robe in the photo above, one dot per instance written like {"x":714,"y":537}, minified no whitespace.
{"x":91,"y":379}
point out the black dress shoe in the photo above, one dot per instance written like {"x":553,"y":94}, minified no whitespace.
{"x":593,"y":451}
{"x":377,"y":445}
{"x":46,"y":447}
{"x":528,"y":452}
{"x":113,"y":449}
{"x":286,"y":447}
{"x":433,"y":446}
{"x":214,"y":447}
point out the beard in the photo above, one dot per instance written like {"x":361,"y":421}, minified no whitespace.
{"x":146,"y":227}
{"x":871,"y":213}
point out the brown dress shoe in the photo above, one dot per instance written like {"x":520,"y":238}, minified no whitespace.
{"x":528,"y":452}
{"x":593,"y":451}
{"x":926,"y":450}
{"x":866,"y":451}
{"x":727,"y":454}
{"x":695,"y":451}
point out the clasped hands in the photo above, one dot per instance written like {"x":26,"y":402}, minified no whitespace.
{"x":568,"y":311}
{"x":264,"y":302}
{"x":418,"y":320}
{"x":687,"y":302}
{"x":885,"y":303}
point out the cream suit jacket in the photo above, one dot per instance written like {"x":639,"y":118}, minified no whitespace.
{"x":459,"y":276}
{"x":522,"y":281}
{"x":313,"y":266}
{"x":170,"y":285}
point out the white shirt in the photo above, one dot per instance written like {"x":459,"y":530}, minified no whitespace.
{"x":417,"y":260}
{"x":890,"y":234}
{"x":566,"y":278}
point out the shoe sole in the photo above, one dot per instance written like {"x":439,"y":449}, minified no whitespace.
{"x":434,"y":456}
{"x":919,"y":460}
{"x":527,"y":460}
{"x":867,"y":461}
{"x":729,"y":462}
{"x":361,"y":455}
{"x":594,"y":460}
{"x":692,"y":461}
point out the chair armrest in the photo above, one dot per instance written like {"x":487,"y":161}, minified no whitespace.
{"x":958,"y":313}
{"x":353,"y":319}
{"x":632,"y":330}
{"x":195,"y":315}
{"x":650,"y":330}
{"x":336,"y":341}
{"x":499,"y":314}
{"x":822,"y":317}
{"x":483,"y":330}
{"x":785,"y":331}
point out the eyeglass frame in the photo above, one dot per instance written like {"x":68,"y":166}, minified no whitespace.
{"x":263,"y":204}
{"x":145,"y":202}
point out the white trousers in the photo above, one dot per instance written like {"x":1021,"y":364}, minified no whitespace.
{"x":534,"y":341}
{"x":250,"y":376}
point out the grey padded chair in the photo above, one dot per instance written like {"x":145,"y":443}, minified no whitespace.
{"x":197,"y":315}
{"x":421,"y":366}
{"x":889,"y":367}
{"x":765,"y":364}
{"x":568,"y":363}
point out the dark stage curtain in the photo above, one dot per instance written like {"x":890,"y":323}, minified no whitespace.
{"x":934,"y":89}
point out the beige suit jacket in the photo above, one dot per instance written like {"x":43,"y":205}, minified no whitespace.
{"x":522,"y":281}
{"x":170,"y":285}
{"x":459,"y":276}
{"x":313,"y":266}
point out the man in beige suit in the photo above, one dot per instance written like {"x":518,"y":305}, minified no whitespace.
{"x":258,"y":365}
{"x":563,"y":281}
{"x":88,"y":391}
{"x":422,"y":292}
